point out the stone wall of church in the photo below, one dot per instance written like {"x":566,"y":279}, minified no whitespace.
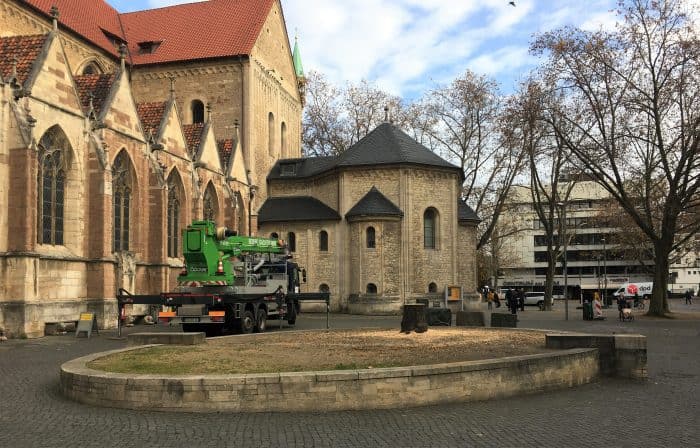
{"x":217,"y":82}
{"x":321,"y":266}
{"x":18,"y":20}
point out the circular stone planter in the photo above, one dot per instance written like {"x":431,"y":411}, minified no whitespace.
{"x":330,"y":390}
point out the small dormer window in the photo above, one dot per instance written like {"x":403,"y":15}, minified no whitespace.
{"x":288,"y":169}
{"x":148,"y":47}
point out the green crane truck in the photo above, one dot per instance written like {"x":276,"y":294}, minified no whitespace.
{"x":229,"y":283}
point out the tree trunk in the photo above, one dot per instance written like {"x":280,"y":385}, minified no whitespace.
{"x":414,"y":318}
{"x":658,"y":305}
{"x":549,"y":284}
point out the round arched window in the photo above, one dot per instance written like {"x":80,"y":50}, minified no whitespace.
{"x":371,"y":288}
{"x":432,"y":287}
{"x":324,"y":288}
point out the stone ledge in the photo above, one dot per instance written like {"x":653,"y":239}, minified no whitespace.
{"x":165,"y":338}
{"x":619,"y":355}
{"x":330,"y":390}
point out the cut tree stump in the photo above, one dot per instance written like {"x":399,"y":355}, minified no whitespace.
{"x":414,"y":318}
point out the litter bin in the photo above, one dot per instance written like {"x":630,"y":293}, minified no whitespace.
{"x":587,"y":311}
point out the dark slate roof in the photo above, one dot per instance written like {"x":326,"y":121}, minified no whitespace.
{"x":300,"y":168}
{"x":23,"y":49}
{"x":374,"y":203}
{"x":97,"y":85}
{"x":295,"y":208}
{"x":465,"y":212}
{"x":387,"y":144}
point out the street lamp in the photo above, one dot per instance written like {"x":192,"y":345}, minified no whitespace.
{"x":564,"y":267}
{"x":251,"y":189}
{"x":605,"y":272}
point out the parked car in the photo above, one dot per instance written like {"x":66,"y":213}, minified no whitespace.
{"x":535,"y":298}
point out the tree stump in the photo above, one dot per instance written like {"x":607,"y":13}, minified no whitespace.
{"x":414,"y":318}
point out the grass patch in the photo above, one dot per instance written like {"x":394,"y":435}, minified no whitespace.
{"x":323,"y":350}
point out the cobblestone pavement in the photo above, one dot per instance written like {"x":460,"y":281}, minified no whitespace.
{"x":661,"y":412}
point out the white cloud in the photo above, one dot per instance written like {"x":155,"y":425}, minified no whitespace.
{"x":407,"y":45}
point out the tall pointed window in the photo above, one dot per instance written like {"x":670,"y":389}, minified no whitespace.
{"x":51,"y":180}
{"x":210,"y":204}
{"x":122,"y":185}
{"x":283,"y":139}
{"x":174,"y":202}
{"x":429,"y":228}
{"x":271,"y":134}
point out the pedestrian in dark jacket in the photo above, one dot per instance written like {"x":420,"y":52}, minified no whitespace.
{"x":521,"y":299}
{"x":496,"y":299}
{"x":688,"y":297}
{"x":509,"y":299}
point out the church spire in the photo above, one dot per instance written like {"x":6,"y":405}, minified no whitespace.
{"x":299,"y":70}
{"x":296,"y":56}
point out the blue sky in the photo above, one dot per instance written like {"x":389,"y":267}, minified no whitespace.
{"x":407,"y":46}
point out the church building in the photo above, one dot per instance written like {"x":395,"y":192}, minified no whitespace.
{"x":117,"y":130}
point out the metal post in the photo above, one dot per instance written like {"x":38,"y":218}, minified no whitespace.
{"x":250,"y":209}
{"x":566,"y":267}
{"x":605,"y":272}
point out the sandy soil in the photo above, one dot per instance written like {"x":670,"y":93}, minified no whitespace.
{"x":326,"y":350}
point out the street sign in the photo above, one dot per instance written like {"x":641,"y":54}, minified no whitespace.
{"x":86,"y":324}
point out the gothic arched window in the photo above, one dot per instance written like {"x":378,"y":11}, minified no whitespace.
{"x":430,"y":228}
{"x":51,"y":181}
{"x":283,"y":139}
{"x":122,"y":186}
{"x":197,"y":111}
{"x":210,"y":204}
{"x":271,"y":134}
{"x":174,"y":202}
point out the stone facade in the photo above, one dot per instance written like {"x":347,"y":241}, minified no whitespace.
{"x":98,"y":111}
{"x":399,"y":265}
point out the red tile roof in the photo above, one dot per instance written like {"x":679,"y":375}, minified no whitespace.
{"x":99,"y":85}
{"x":151,"y":114}
{"x":89,"y":18}
{"x":23,"y":48}
{"x":208,"y":29}
{"x":225,"y":150}
{"x":215,"y":28}
{"x":193,"y":135}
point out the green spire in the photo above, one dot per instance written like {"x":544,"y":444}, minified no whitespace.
{"x":296,"y":56}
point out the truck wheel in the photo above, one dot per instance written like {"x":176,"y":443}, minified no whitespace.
{"x":247,"y":322}
{"x":291,"y":314}
{"x":261,"y":324}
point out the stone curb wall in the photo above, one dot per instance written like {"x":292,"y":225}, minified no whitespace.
{"x":620,"y":355}
{"x":330,"y":390}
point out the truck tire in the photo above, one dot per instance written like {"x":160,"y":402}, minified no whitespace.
{"x":261,"y":323}
{"x":247,"y":322}
{"x":291,"y":314}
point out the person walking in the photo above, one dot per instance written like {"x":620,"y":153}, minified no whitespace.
{"x":521,"y":299}
{"x":688,"y":297}
{"x":509,"y":299}
{"x":489,"y":299}
{"x":496,"y":299}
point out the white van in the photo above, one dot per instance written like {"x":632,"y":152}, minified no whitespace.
{"x":642,"y":289}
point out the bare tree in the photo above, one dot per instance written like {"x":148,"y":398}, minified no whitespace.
{"x":461,"y":123}
{"x":335,"y":118}
{"x":632,"y":113}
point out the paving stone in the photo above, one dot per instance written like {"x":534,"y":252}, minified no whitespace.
{"x":659,"y":412}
